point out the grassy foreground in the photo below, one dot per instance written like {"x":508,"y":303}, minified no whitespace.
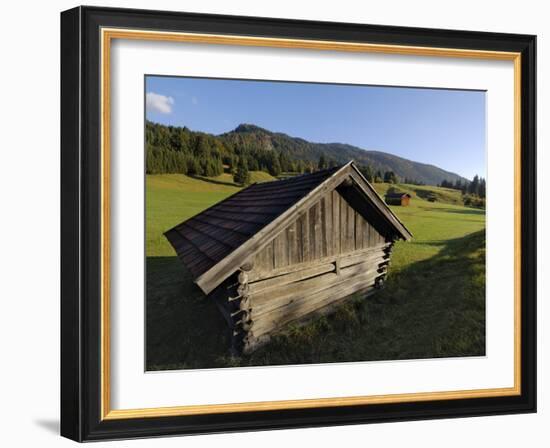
{"x":433,"y":304}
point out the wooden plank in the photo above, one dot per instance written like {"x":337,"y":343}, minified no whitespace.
{"x":343,"y":226}
{"x":350,"y":233}
{"x":371,"y":236}
{"x":317,"y":231}
{"x":255,"y":276}
{"x":305,"y":237}
{"x":283,"y":248}
{"x":266,"y":300}
{"x":292,"y":244}
{"x":328,"y":224}
{"x":299,"y":242}
{"x":311,"y":231}
{"x":259,"y":261}
{"x":292,"y":277}
{"x":273,"y":294}
{"x":365,"y":234}
{"x":270,"y":250}
{"x":373,"y":258}
{"x":280,"y":251}
{"x":324,"y":238}
{"x":358,"y":231}
{"x":304,"y":304}
{"x":379,"y":238}
{"x":262,"y":261}
{"x":335,"y":222}
{"x":347,"y":230}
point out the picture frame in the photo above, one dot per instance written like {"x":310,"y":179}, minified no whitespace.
{"x":86,"y":37}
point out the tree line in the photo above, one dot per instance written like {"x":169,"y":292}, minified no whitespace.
{"x":171,"y":149}
{"x":473,"y":193}
{"x":475,"y":187}
{"x":389,"y":177}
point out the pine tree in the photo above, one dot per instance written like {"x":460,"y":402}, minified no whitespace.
{"x":366,"y":170}
{"x":194,"y":167}
{"x":390,"y":177}
{"x":482,"y":187}
{"x":322,"y":162}
{"x":473,"y":188}
{"x":253,"y":164}
{"x":242,"y":175}
{"x":274,"y":166}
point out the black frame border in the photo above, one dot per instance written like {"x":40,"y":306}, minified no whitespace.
{"x":81,"y":223}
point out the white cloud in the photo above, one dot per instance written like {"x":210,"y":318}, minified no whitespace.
{"x":155,"y":102}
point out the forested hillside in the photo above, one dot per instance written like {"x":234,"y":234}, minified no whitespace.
{"x":172,"y":149}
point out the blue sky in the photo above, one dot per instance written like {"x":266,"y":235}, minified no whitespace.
{"x":445,"y":128}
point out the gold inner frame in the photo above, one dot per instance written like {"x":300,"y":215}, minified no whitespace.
{"x":107,"y":35}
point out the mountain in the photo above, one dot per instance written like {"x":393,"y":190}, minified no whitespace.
{"x":297,"y":148}
{"x":179,"y":149}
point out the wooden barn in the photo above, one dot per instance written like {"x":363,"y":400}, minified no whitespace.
{"x":398,"y":198}
{"x":289,"y":250}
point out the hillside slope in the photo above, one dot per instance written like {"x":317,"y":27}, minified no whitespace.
{"x":252,"y":136}
{"x":423,"y":192}
{"x":264,"y":148}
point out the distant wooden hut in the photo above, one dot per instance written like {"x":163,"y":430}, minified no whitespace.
{"x":398,"y":198}
{"x":288,"y":250}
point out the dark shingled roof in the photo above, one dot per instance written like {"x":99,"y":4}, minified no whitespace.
{"x":207,"y":238}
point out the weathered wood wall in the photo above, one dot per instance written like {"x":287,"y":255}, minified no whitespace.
{"x":328,"y":254}
{"x":328,"y":228}
{"x":256,"y":308}
{"x":316,"y":288}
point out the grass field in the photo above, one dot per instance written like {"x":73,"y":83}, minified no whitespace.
{"x":433,"y":304}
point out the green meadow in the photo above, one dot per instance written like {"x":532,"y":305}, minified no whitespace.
{"x":433,"y":304}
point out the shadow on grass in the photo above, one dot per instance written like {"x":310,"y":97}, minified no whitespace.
{"x":439,"y":304}
{"x":424,"y":194}
{"x":214,"y":181}
{"x":432,"y":308}
{"x":184,"y":330}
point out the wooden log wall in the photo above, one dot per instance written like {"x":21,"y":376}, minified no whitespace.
{"x":306,"y":290}
{"x":327,"y":255}
{"x":257,"y":307}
